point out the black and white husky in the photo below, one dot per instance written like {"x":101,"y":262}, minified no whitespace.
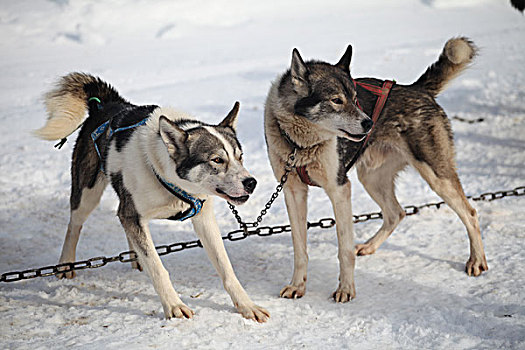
{"x":162,"y":164}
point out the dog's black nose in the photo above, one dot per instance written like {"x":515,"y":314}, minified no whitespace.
{"x":367,"y":124}
{"x":249,"y":184}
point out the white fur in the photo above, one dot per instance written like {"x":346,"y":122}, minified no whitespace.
{"x":66,"y":113}
{"x":145,"y":149}
{"x":458,"y":51}
{"x":66,"y":106}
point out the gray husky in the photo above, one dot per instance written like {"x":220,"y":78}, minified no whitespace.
{"x":313,"y":109}
{"x":162,"y":164}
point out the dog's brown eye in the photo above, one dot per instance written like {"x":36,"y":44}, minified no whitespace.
{"x":217,"y":160}
{"x":337,"y":101}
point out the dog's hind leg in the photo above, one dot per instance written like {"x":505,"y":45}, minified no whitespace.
{"x":296,"y":196}
{"x":134,"y":264}
{"x":379,"y":183}
{"x":449,"y":188}
{"x":87,"y":185}
{"x":83,"y":201}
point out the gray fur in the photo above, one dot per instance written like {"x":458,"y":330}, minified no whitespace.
{"x":412,"y":130}
{"x":323,"y":95}
{"x":195,"y":145}
{"x":201,"y":145}
{"x":457,"y":54}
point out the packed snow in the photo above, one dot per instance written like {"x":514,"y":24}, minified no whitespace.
{"x":201,"y":56}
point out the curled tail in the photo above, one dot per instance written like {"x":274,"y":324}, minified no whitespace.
{"x":67,"y":103}
{"x":456,"y":56}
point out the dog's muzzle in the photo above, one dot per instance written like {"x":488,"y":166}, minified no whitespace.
{"x":233,"y":200}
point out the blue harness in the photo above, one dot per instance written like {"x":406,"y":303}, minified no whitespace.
{"x":195,"y":203}
{"x":102,"y":128}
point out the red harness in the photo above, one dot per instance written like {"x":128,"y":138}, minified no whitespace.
{"x":382,"y":95}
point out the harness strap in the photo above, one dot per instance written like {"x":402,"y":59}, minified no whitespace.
{"x":382,"y":93}
{"x":195,"y":203}
{"x":305,"y":178}
{"x":102,"y":128}
{"x":301,"y":170}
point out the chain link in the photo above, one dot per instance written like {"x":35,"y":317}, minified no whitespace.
{"x":288,"y":167}
{"x":469,"y":121}
{"x":248,"y":229}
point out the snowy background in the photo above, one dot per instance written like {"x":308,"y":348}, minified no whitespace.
{"x":201,"y":56}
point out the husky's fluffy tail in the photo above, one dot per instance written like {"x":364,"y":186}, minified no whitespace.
{"x":456,"y":56}
{"x":67,"y":103}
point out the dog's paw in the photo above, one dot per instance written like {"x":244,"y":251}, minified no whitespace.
{"x":178,"y":311}
{"x":475,"y":266}
{"x":254,"y":312}
{"x":68,"y":275}
{"x":136,"y":266}
{"x":292,"y":292}
{"x":344,"y":294}
{"x":364,"y":249}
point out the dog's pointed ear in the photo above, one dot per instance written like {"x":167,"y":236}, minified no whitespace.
{"x":231,"y":119}
{"x":299,"y":72}
{"x":344,"y":62}
{"x":173,"y":137}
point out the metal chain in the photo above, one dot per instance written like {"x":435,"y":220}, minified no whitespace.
{"x":236,"y":235}
{"x":469,"y":121}
{"x":288,"y":167}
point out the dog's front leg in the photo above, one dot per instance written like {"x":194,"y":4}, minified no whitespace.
{"x":140,"y":238}
{"x":296,"y":196}
{"x":209,"y":234}
{"x":340,"y":196}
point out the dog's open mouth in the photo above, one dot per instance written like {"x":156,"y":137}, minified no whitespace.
{"x":233,"y":200}
{"x":353,"y":137}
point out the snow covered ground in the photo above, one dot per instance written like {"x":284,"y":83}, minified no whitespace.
{"x":201,"y":56}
